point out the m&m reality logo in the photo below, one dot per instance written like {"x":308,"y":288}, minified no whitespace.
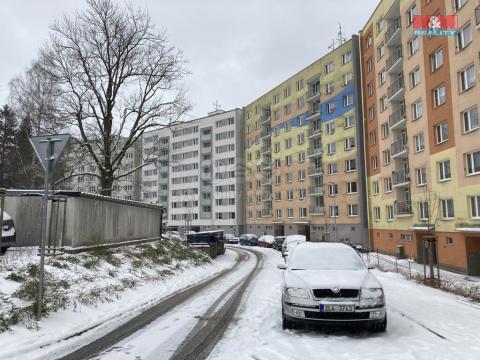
{"x":435,"y":25}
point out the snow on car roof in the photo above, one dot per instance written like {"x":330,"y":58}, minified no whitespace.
{"x":295,"y":238}
{"x":267,"y":238}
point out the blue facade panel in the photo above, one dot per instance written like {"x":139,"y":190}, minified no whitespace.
{"x":339,"y":108}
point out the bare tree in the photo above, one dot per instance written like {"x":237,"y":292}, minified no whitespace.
{"x":116,"y":78}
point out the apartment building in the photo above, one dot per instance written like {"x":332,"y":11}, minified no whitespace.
{"x":195,"y":170}
{"x":304,"y":153}
{"x":421,"y":115}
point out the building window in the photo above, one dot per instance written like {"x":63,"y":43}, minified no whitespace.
{"x":464,"y":37}
{"x":350,"y":165}
{"x":289,"y":176}
{"x":383,"y":103}
{"x":331,"y":148}
{"x":352,"y":187}
{"x":371,"y":112}
{"x":289,"y":195}
{"x":449,"y":240}
{"x":385,"y":130}
{"x":373,"y":137}
{"x":436,"y":59}
{"x":328,"y":68}
{"x":444,"y":172}
{"x":406,"y":237}
{"x":330,"y":127}
{"x":333,"y":210}
{"x":387,"y":182}
{"x":349,"y":143}
{"x":441,"y":132}
{"x":369,"y":65}
{"x":447,"y":209}
{"x":411,"y":14}
{"x":332,"y":189}
{"x":299,"y":84}
{"x":290,"y":212}
{"x":347,"y":79}
{"x":375,"y":188}
{"x":475,"y":206}
{"x":369,"y":40}
{"x":286,"y":92}
{"x":417,"y":109}
{"x":413,"y":46}
{"x":288,"y":160}
{"x":380,"y":51}
{"x":303,"y":212}
{"x":349,"y":121}
{"x":376,"y":213}
{"x":458,"y":4}
{"x":386,"y":157}
{"x":423,"y":210}
{"x":473,"y":163}
{"x":389,"y":209}
{"x":421,"y":176}
{"x":276,"y":99}
{"x":346,"y":57}
{"x":470,"y":119}
{"x":370,"y":89}
{"x":419,"y":141}
{"x":374,"y":162}
{"x":278,"y":179}
{"x":301,"y":175}
{"x":330,"y":107}
{"x":302,"y":193}
{"x":352,"y":210}
{"x":415,"y":77}
{"x":301,"y":157}
{"x":278,"y":213}
{"x":467,"y":78}
{"x":439,"y":96}
{"x":288,"y":143}
{"x":332,"y":169}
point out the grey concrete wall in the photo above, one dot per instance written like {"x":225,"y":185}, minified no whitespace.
{"x":90,"y":220}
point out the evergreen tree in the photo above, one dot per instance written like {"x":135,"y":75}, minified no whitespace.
{"x":8,"y":124}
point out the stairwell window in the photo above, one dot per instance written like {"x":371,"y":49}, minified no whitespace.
{"x":417,"y":109}
{"x":411,"y":15}
{"x":436,"y":59}
{"x":346,"y":57}
{"x":352,"y":210}
{"x":375,"y":188}
{"x":419,"y":141}
{"x":376,"y":213}
{"x":441,"y":132}
{"x":470,"y":120}
{"x":350,"y":165}
{"x":473,"y":163}
{"x":423,"y":210}
{"x":389,"y":210}
{"x":448,"y":212}
{"x":467,"y":78}
{"x":415,"y":77}
{"x":444,"y":170}
{"x":439,"y":96}
{"x":348,"y":100}
{"x":464,"y":37}
{"x":349,"y":143}
{"x":421,"y":174}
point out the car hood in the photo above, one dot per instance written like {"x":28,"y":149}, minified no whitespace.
{"x":327,"y":279}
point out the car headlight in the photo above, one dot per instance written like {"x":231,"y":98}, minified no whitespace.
{"x":299,"y":293}
{"x":371,"y":293}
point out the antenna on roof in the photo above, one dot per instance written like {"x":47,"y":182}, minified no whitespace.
{"x":216,"y":106}
{"x":332,"y":46}
{"x":341,"y":39}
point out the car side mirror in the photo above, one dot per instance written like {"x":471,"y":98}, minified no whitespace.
{"x":281,"y":266}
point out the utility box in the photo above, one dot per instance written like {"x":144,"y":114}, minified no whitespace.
{"x":400,"y":252}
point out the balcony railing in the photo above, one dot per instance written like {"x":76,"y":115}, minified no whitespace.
{"x":396,"y":86}
{"x":206,"y":137}
{"x":312,"y":151}
{"x":266,"y":212}
{"x":401,"y":177}
{"x":267,"y":196}
{"x":394,"y":58}
{"x":266,"y":149}
{"x":205,"y":201}
{"x":317,"y":210}
{"x":313,"y":131}
{"x":394,"y":27}
{"x":265,"y":118}
{"x":205,"y":215}
{"x":315,"y":170}
{"x":265,"y":133}
{"x":315,"y":190}
{"x":206,"y":150}
{"x":266,"y":164}
{"x":312,"y":94}
{"x":313,"y":114}
{"x":397,"y":117}
{"x":266,"y":180}
{"x":403,"y":208}
{"x":399,"y":147}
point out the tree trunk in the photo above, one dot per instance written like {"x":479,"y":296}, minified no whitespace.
{"x":106,"y":182}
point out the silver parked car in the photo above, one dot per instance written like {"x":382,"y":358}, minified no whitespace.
{"x":328,"y":283}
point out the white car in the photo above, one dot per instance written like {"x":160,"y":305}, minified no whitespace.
{"x":292,"y":241}
{"x":8,"y":233}
{"x":230,"y":238}
{"x":328,"y":283}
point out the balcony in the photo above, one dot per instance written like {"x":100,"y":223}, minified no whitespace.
{"x":267,"y":196}
{"x":396,"y":89}
{"x":206,"y":162}
{"x":397,"y":119}
{"x":163,"y":192}
{"x":206,"y":150}
{"x":205,"y":215}
{"x":314,"y":170}
{"x":266,"y":212}
{"x":265,"y":134}
{"x":313,"y":115}
{"x":266,"y":180}
{"x":399,"y":148}
{"x":392,"y":35}
{"x":317,"y":210}
{"x":266,"y":118}
{"x":312,"y":94}
{"x":206,"y":137}
{"x":401,"y":178}
{"x":394,"y":62}
{"x":266,"y":149}
{"x":315,"y":190}
{"x":403,"y":208}
{"x":314,"y":131}
{"x":205,"y":201}
{"x":314,"y":151}
{"x":266,"y":164}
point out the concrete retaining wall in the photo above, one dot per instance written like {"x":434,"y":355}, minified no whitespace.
{"x":90,"y":219}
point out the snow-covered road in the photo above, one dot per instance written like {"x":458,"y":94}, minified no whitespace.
{"x":423,"y":323}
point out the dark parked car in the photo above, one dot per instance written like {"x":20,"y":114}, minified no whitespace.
{"x":278,"y":242}
{"x":8,"y":233}
{"x":230,"y":239}
{"x":248,"y":240}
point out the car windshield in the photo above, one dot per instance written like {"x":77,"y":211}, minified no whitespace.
{"x":308,"y":258}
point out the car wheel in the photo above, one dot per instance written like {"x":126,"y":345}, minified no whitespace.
{"x":286,"y":324}
{"x":381,"y":327}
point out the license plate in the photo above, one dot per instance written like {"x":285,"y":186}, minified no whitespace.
{"x":337,"y":308}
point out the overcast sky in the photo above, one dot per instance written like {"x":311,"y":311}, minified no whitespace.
{"x":237,"y":50}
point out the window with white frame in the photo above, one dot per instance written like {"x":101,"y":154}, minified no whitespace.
{"x":350,"y":165}
{"x":330,"y":108}
{"x":289,"y":176}
{"x":375,"y":188}
{"x":286,"y":92}
{"x":332,"y":169}
{"x":415,"y":77}
{"x":382,"y":77}
{"x":383,"y":103}
{"x":411,"y":14}
{"x":370,"y":88}
{"x":330,"y":87}
{"x":276,"y":99}
{"x":423,"y":210}
{"x":301,"y":175}
{"x":330,"y":126}
{"x":290,"y":195}
{"x":346,"y":57}
{"x":347,"y":79}
{"x":328,"y":68}
{"x":376,"y":213}
{"x":352,"y":210}
{"x":348,"y":100}
{"x":467,"y":78}
{"x":369,"y":40}
{"x":380,"y":51}
{"x":417,"y":109}
{"x":447,"y":209}
{"x":299,"y":84}
{"x":331,"y":148}
{"x":332,"y":189}
{"x":301,"y":138}
{"x":278,"y":179}
{"x":464,"y":37}
{"x":300,"y":102}
{"x":473,"y":163}
{"x":371,"y":112}
{"x":419,"y":141}
{"x":389,"y":211}
{"x":278,"y":213}
{"x":436,"y":59}
{"x":333,"y":210}
{"x":387,"y":183}
{"x":288,"y":160}
{"x":470,"y":119}
{"x":458,"y":4}
{"x":373,"y":137}
{"x":349,"y":143}
{"x":301,"y":156}
{"x":475,"y":206}
{"x":385,"y":130}
{"x":444,"y":172}
{"x":276,"y":147}
{"x":288,"y":143}
{"x":349,"y":121}
{"x":352,"y":187}
{"x":374,"y":162}
{"x":369,"y":65}
{"x":413,"y":46}
{"x":441,"y":132}
{"x":439,"y":96}
{"x":303,"y":212}
{"x":290,"y":212}
{"x":421,"y":174}
{"x":386,"y":157}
